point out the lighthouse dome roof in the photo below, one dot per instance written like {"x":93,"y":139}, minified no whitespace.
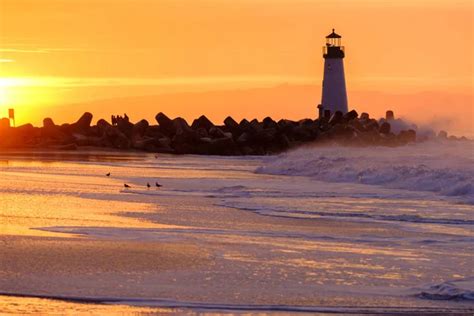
{"x":333,"y":35}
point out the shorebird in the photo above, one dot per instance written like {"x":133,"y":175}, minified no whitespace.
{"x":108,"y":174}
{"x":158,"y":185}
{"x":126,"y":185}
{"x":148,"y":185}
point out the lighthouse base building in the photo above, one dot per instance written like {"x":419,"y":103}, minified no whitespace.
{"x":334,"y":95}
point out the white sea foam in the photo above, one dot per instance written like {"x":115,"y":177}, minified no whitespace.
{"x":452,"y":290}
{"x":446,"y":168}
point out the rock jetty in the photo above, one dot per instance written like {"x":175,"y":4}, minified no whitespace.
{"x":203,"y":137}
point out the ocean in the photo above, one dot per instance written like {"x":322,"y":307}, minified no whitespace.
{"x":315,"y":230}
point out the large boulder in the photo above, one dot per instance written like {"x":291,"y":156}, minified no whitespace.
{"x":202,"y":122}
{"x":67,"y":128}
{"x":121,"y":141}
{"x":244,"y":125}
{"x":408,"y":136}
{"x":385,"y":128}
{"x":268,"y":122}
{"x":184,"y":137}
{"x":55,"y":133}
{"x":265,"y":136}
{"x":243,"y":138}
{"x":164,"y":142}
{"x":25,"y":134}
{"x":306,"y":122}
{"x":48,"y":123}
{"x":145,"y":143}
{"x":251,"y":127}
{"x":26,"y":129}
{"x":304,"y":133}
{"x":202,"y":132}
{"x":103,"y":125}
{"x":138,"y":138}
{"x":163,"y":145}
{"x":336,"y":118}
{"x":83,"y":124}
{"x":94,"y":131}
{"x":389,"y":115}
{"x":371,"y":125}
{"x":166,"y":124}
{"x":4,"y":123}
{"x":283,"y":142}
{"x":83,"y":140}
{"x":154,"y":131}
{"x":342,"y":132}
{"x":180,"y":124}
{"x":49,"y":126}
{"x":225,"y":146}
{"x":126,"y":127}
{"x":139,"y":128}
{"x":364,"y":117}
{"x":357,"y":125}
{"x":351,"y":115}
{"x":369,"y":137}
{"x":286,"y":126}
{"x":216,"y":132}
{"x":115,"y":138}
{"x":256,"y":125}
{"x":231,"y":124}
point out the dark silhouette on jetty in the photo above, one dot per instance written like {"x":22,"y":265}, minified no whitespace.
{"x":203,"y":137}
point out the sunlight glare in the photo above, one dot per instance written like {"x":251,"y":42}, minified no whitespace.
{"x":23,"y":94}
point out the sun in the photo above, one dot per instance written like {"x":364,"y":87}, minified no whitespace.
{"x":4,"y":99}
{"x":25,"y":95}
{"x":7,"y":85}
{"x":11,"y":94}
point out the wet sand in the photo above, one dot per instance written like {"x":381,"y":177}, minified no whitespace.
{"x":88,"y":238}
{"x":176,"y":278}
{"x":85,"y":267}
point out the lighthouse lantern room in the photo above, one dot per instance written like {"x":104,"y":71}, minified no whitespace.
{"x":334,"y":96}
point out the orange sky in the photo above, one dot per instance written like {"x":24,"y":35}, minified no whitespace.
{"x":54,"y":53}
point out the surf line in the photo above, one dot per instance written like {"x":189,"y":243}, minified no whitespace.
{"x":164,"y":303}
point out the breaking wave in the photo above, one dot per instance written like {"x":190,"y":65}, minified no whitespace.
{"x":459,"y":290}
{"x":446,"y":168}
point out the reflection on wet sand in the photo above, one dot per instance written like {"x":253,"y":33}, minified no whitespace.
{"x":68,"y":230}
{"x":20,"y":305}
{"x":47,"y":156}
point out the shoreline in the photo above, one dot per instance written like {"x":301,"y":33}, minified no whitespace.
{"x":184,"y":307}
{"x":224,"y":255}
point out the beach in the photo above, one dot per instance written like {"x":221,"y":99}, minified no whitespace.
{"x":318,"y":229}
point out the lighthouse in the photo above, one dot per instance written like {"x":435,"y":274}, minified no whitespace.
{"x":334,"y":96}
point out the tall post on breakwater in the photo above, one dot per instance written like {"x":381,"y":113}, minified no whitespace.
{"x":11,"y":117}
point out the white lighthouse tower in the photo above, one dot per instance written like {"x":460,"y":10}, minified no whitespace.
{"x":334,"y":96}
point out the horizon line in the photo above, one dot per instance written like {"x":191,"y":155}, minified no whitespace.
{"x":72,"y":82}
